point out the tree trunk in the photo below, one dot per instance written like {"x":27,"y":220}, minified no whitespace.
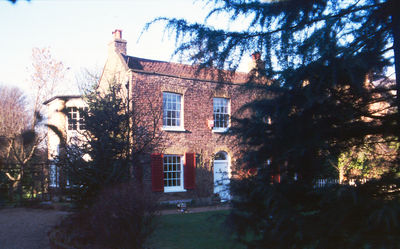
{"x":20,"y":190}
{"x":341,"y":174}
{"x":14,"y":189}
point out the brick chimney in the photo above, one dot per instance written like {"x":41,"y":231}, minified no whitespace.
{"x":256,"y":65}
{"x":118,"y":44}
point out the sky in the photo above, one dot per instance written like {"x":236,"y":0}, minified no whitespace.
{"x":78,"y":32}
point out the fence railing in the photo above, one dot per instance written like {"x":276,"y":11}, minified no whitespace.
{"x":320,"y":183}
{"x":18,"y":185}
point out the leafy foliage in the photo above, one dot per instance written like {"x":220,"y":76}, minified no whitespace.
{"x":371,"y":160}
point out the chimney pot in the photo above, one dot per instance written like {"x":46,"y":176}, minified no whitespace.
{"x":257,"y":66}
{"x":117,"y":34}
{"x":118,"y":44}
{"x":256,"y":56}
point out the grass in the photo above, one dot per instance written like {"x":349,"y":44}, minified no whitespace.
{"x":193,"y":231}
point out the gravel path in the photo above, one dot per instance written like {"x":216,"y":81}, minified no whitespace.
{"x":23,"y":228}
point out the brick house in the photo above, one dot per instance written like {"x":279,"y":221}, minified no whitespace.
{"x":198,"y":153}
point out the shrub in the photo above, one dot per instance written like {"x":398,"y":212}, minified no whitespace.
{"x":122,"y":217}
{"x":295,"y":215}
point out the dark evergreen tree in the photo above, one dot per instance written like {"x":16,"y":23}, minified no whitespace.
{"x":99,"y":156}
{"x":327,"y":91}
{"x":106,"y":152}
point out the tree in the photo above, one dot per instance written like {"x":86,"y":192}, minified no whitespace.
{"x":326,"y":92}
{"x":47,"y":74}
{"x":107,"y":152}
{"x":13,"y":111}
{"x":14,"y":1}
{"x":21,"y":125}
{"x":104,"y":170}
{"x":16,"y":138}
{"x":324,"y":52}
{"x":87,"y":79}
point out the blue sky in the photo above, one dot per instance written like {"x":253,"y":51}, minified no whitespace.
{"x":78,"y":31}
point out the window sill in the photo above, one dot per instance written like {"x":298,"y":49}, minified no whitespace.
{"x":174,"y":190}
{"x":178,"y":129}
{"x":75,"y":132}
{"x":221,"y":130}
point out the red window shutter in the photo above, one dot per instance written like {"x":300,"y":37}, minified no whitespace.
{"x":276,"y":177}
{"x":157,"y":172}
{"x":190,"y":171}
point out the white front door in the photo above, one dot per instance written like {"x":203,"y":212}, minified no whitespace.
{"x":221,"y":179}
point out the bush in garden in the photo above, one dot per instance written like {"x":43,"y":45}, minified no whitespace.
{"x":121,"y":217}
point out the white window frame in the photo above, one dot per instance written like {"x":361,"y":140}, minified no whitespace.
{"x":54,"y":176}
{"x":228,"y":112}
{"x":54,"y":171}
{"x":78,"y":119}
{"x":181,"y":119}
{"x":179,"y":188}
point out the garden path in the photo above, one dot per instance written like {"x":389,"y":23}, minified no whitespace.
{"x":25,"y":228}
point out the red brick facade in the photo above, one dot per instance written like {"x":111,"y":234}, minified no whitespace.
{"x":197,"y":136}
{"x":196,"y":142}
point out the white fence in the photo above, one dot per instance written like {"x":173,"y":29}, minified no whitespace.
{"x":324,"y":182}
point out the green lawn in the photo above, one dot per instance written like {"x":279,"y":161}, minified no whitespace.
{"x":193,"y":231}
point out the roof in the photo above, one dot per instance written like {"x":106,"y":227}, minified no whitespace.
{"x":183,"y":71}
{"x":63,"y":97}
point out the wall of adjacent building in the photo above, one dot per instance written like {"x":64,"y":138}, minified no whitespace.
{"x":57,"y":118}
